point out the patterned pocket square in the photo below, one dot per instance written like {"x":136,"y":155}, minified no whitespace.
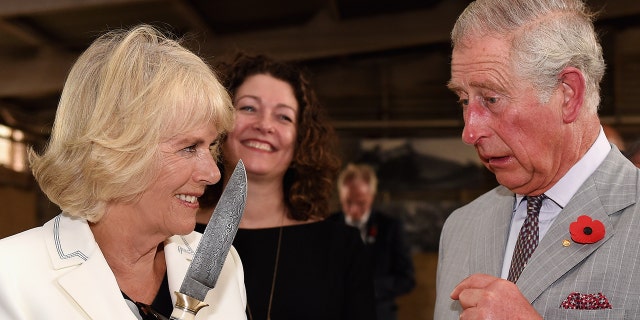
{"x":582,"y":301}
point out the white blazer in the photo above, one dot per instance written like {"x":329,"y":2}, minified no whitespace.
{"x":57,"y":271}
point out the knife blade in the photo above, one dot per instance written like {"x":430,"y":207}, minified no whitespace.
{"x":211,"y":253}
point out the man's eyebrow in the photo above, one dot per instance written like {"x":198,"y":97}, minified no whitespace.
{"x":487,"y":86}
{"x":473,"y":84}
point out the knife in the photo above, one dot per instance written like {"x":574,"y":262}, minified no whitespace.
{"x":212,"y":251}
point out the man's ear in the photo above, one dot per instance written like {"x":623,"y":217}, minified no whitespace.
{"x":572,"y":87}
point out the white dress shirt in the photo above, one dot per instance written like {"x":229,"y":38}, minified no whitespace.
{"x":360,"y":224}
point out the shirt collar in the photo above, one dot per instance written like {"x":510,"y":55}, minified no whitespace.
{"x":362,"y":222}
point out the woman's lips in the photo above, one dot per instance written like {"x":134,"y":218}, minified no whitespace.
{"x":258,"y":145}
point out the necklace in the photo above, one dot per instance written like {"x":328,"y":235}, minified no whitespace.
{"x":273,"y":281}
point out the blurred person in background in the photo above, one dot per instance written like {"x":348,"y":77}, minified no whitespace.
{"x":383,"y":235}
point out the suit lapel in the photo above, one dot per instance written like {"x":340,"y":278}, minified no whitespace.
{"x":93,"y":286}
{"x":610,"y":189}
{"x":89,"y":281}
{"x":489,"y":250}
{"x":551,"y":259}
{"x":179,"y":251}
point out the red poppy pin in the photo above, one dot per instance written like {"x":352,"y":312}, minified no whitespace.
{"x":584,"y":230}
{"x":373,"y":231}
{"x":371,"y":236}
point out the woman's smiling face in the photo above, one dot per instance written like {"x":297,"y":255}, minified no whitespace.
{"x":186,"y":166}
{"x":264,"y":134}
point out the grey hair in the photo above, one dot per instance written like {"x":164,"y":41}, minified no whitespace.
{"x":360,"y":171}
{"x":546,"y":36}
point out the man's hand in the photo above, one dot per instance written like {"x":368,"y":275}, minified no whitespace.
{"x":486,"y":297}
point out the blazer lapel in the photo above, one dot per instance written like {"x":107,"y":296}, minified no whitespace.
{"x":179,"y":251}
{"x":93,"y":286}
{"x":610,"y":189}
{"x":89,"y":281}
{"x":490,"y":249}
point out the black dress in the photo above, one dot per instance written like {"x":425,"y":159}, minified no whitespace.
{"x":322,"y":272}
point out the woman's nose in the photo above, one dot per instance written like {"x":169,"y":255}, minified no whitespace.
{"x":264,"y":124}
{"x":207,"y":171}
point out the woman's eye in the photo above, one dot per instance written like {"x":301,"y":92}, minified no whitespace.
{"x":463,"y":102}
{"x":246,"y":108}
{"x":286,"y":118}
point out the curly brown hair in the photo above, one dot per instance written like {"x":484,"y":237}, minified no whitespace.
{"x":308,"y":182}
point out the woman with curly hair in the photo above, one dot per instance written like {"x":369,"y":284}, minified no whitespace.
{"x":297,"y":265}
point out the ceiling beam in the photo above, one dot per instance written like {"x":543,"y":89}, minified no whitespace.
{"x":325,"y":37}
{"x":23,"y":34}
{"x":608,"y":9}
{"x":10,"y":8}
{"x":372,"y":124}
{"x":34,"y":75}
{"x":192,"y":16}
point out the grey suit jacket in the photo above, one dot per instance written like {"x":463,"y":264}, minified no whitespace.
{"x":57,"y":271}
{"x":474,"y":239}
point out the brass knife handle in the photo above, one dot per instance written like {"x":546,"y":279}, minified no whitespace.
{"x":186,"y":307}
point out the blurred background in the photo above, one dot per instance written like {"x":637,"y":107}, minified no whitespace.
{"x":379,"y":68}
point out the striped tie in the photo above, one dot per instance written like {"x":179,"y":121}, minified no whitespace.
{"x":527,"y":239}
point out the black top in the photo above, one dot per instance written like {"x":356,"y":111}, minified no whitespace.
{"x":161,"y":305}
{"x":322,"y":272}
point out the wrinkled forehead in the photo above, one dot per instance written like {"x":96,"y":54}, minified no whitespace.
{"x":479,"y":58}
{"x":481,"y":48}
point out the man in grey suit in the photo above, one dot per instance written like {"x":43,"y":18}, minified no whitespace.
{"x":527,"y":74}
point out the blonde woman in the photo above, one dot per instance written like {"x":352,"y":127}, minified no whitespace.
{"x":128,"y":158}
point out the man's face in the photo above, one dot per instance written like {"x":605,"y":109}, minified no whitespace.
{"x":356,"y":199}
{"x":516,"y":137}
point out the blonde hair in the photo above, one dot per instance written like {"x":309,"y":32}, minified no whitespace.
{"x":129,"y":91}
{"x":362,"y":172}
